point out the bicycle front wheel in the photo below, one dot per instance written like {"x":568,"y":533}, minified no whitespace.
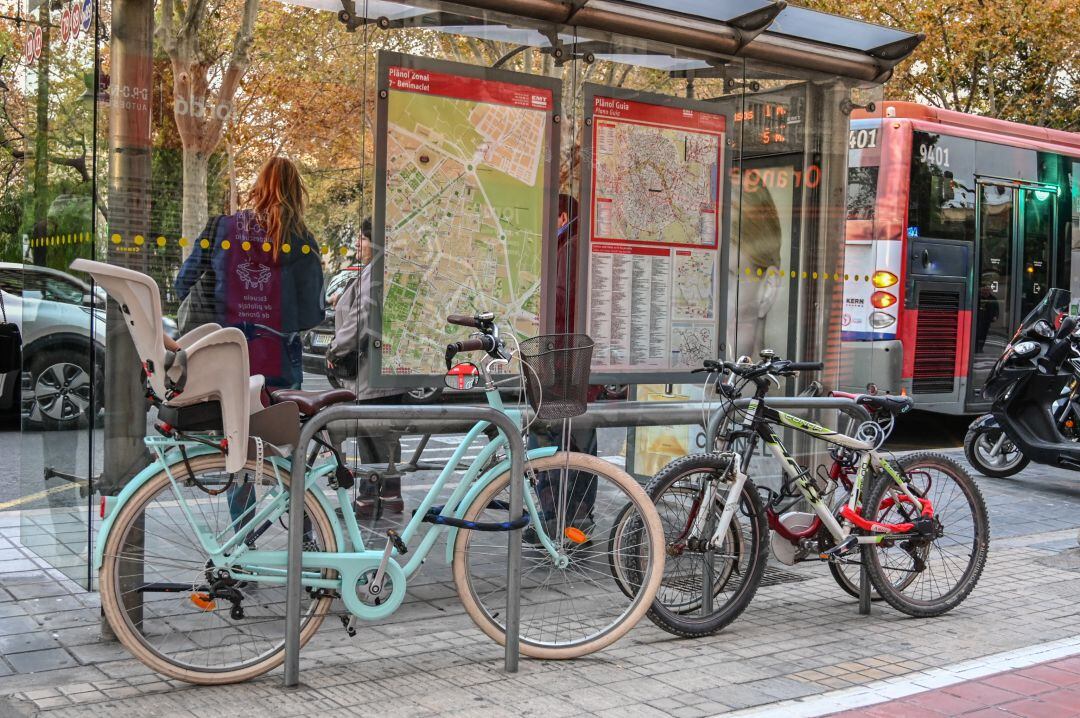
{"x":928,"y":576}
{"x":168,"y":604}
{"x":706,"y":587}
{"x":571,"y":605}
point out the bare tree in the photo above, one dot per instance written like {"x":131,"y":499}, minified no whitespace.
{"x":200,"y":118}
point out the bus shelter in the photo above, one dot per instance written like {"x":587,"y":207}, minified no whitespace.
{"x":669,"y":177}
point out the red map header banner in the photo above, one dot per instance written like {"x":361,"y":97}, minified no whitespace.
{"x":469,"y":88}
{"x":681,"y":117}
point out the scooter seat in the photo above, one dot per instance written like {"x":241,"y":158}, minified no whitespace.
{"x":309,"y":402}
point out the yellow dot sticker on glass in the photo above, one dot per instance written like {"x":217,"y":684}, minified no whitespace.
{"x":225,"y":244}
{"x":161,"y":241}
{"x":804,"y":275}
{"x":748,"y":271}
{"x":266,"y":246}
{"x":116,"y":239}
{"x":245,"y":245}
{"x":305,"y":249}
{"x":815,"y":275}
{"x":793,"y":274}
{"x":286,"y":248}
{"x":183,"y":242}
{"x":326,"y":250}
{"x":139,"y":240}
{"x":344,"y":251}
{"x":204,"y":243}
{"x":760,"y":271}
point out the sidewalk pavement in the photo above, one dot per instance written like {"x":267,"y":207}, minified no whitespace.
{"x":1046,"y":690}
{"x":801,"y":638}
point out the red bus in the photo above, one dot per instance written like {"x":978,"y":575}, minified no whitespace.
{"x":956,"y":227}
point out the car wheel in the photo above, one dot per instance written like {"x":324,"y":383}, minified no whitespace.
{"x":423,"y":395}
{"x":60,"y":389}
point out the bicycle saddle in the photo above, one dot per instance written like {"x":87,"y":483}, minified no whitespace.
{"x":885,"y":402}
{"x":309,"y":402}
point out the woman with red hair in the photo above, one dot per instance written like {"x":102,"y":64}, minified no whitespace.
{"x":263,"y":264}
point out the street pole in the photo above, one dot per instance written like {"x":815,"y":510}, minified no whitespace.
{"x":131,"y":70}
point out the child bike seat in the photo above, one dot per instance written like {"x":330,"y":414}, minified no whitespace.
{"x":212,"y":365}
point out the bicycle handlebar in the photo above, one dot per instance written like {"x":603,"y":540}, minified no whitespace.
{"x":776,"y":366}
{"x":463,"y":321}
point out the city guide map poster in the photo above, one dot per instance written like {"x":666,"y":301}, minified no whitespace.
{"x":653,"y":182}
{"x":464,"y":177}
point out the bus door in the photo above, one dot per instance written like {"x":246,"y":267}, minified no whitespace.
{"x":1014,"y":244}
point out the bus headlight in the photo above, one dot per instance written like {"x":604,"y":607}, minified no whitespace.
{"x":880,"y":320}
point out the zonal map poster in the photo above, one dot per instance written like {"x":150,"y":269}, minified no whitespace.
{"x":655,"y":224}
{"x":462,"y":204}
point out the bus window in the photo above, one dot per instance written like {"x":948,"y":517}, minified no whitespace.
{"x":862,"y":185}
{"x":942,"y":199}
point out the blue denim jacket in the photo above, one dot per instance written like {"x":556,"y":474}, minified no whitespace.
{"x":295,"y":276}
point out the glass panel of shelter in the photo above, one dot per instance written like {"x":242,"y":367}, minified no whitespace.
{"x":776,"y":199}
{"x":51,"y":459}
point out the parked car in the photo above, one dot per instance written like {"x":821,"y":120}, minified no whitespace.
{"x":62,"y":321}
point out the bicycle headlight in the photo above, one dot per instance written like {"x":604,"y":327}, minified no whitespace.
{"x":1025,"y":350}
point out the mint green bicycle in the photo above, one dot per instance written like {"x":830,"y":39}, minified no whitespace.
{"x":192,"y":557}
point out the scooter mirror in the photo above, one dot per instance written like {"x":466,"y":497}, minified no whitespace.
{"x":1068,"y":324}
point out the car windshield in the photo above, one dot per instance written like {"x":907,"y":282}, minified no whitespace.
{"x":39,"y":285}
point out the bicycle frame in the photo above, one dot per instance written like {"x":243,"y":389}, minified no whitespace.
{"x":269,"y":567}
{"x":759,"y":420}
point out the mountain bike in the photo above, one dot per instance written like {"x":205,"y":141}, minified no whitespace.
{"x":925,"y":540}
{"x":192,"y":557}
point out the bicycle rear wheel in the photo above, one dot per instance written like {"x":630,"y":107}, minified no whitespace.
{"x":928,"y":577}
{"x":168,"y":605}
{"x":573,"y":608}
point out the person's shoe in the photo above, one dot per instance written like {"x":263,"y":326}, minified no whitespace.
{"x":367,"y":505}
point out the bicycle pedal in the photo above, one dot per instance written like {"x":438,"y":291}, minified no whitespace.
{"x":845,"y":547}
{"x":349,"y":624}
{"x":395,"y":539}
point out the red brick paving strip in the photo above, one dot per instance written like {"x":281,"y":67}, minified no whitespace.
{"x":1047,"y":690}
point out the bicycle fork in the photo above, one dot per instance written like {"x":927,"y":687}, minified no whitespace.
{"x":701,"y":518}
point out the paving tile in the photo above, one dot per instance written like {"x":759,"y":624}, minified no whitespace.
{"x":38,"y":661}
{"x":1018,"y":684}
{"x":22,"y":642}
{"x":1036,"y":708}
{"x":1050,"y":674}
{"x":18,"y":624}
{"x":981,"y":692}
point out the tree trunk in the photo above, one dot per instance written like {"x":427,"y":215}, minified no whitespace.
{"x":41,"y":138}
{"x":195,"y":197}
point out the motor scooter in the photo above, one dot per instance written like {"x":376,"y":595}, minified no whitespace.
{"x":1035,"y":390}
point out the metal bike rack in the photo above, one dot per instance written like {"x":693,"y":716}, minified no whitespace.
{"x":398,"y":418}
{"x":450,"y":419}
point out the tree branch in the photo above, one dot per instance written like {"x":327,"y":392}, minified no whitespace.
{"x":238,"y":65}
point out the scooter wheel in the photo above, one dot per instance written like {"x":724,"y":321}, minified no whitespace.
{"x":978,"y":448}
